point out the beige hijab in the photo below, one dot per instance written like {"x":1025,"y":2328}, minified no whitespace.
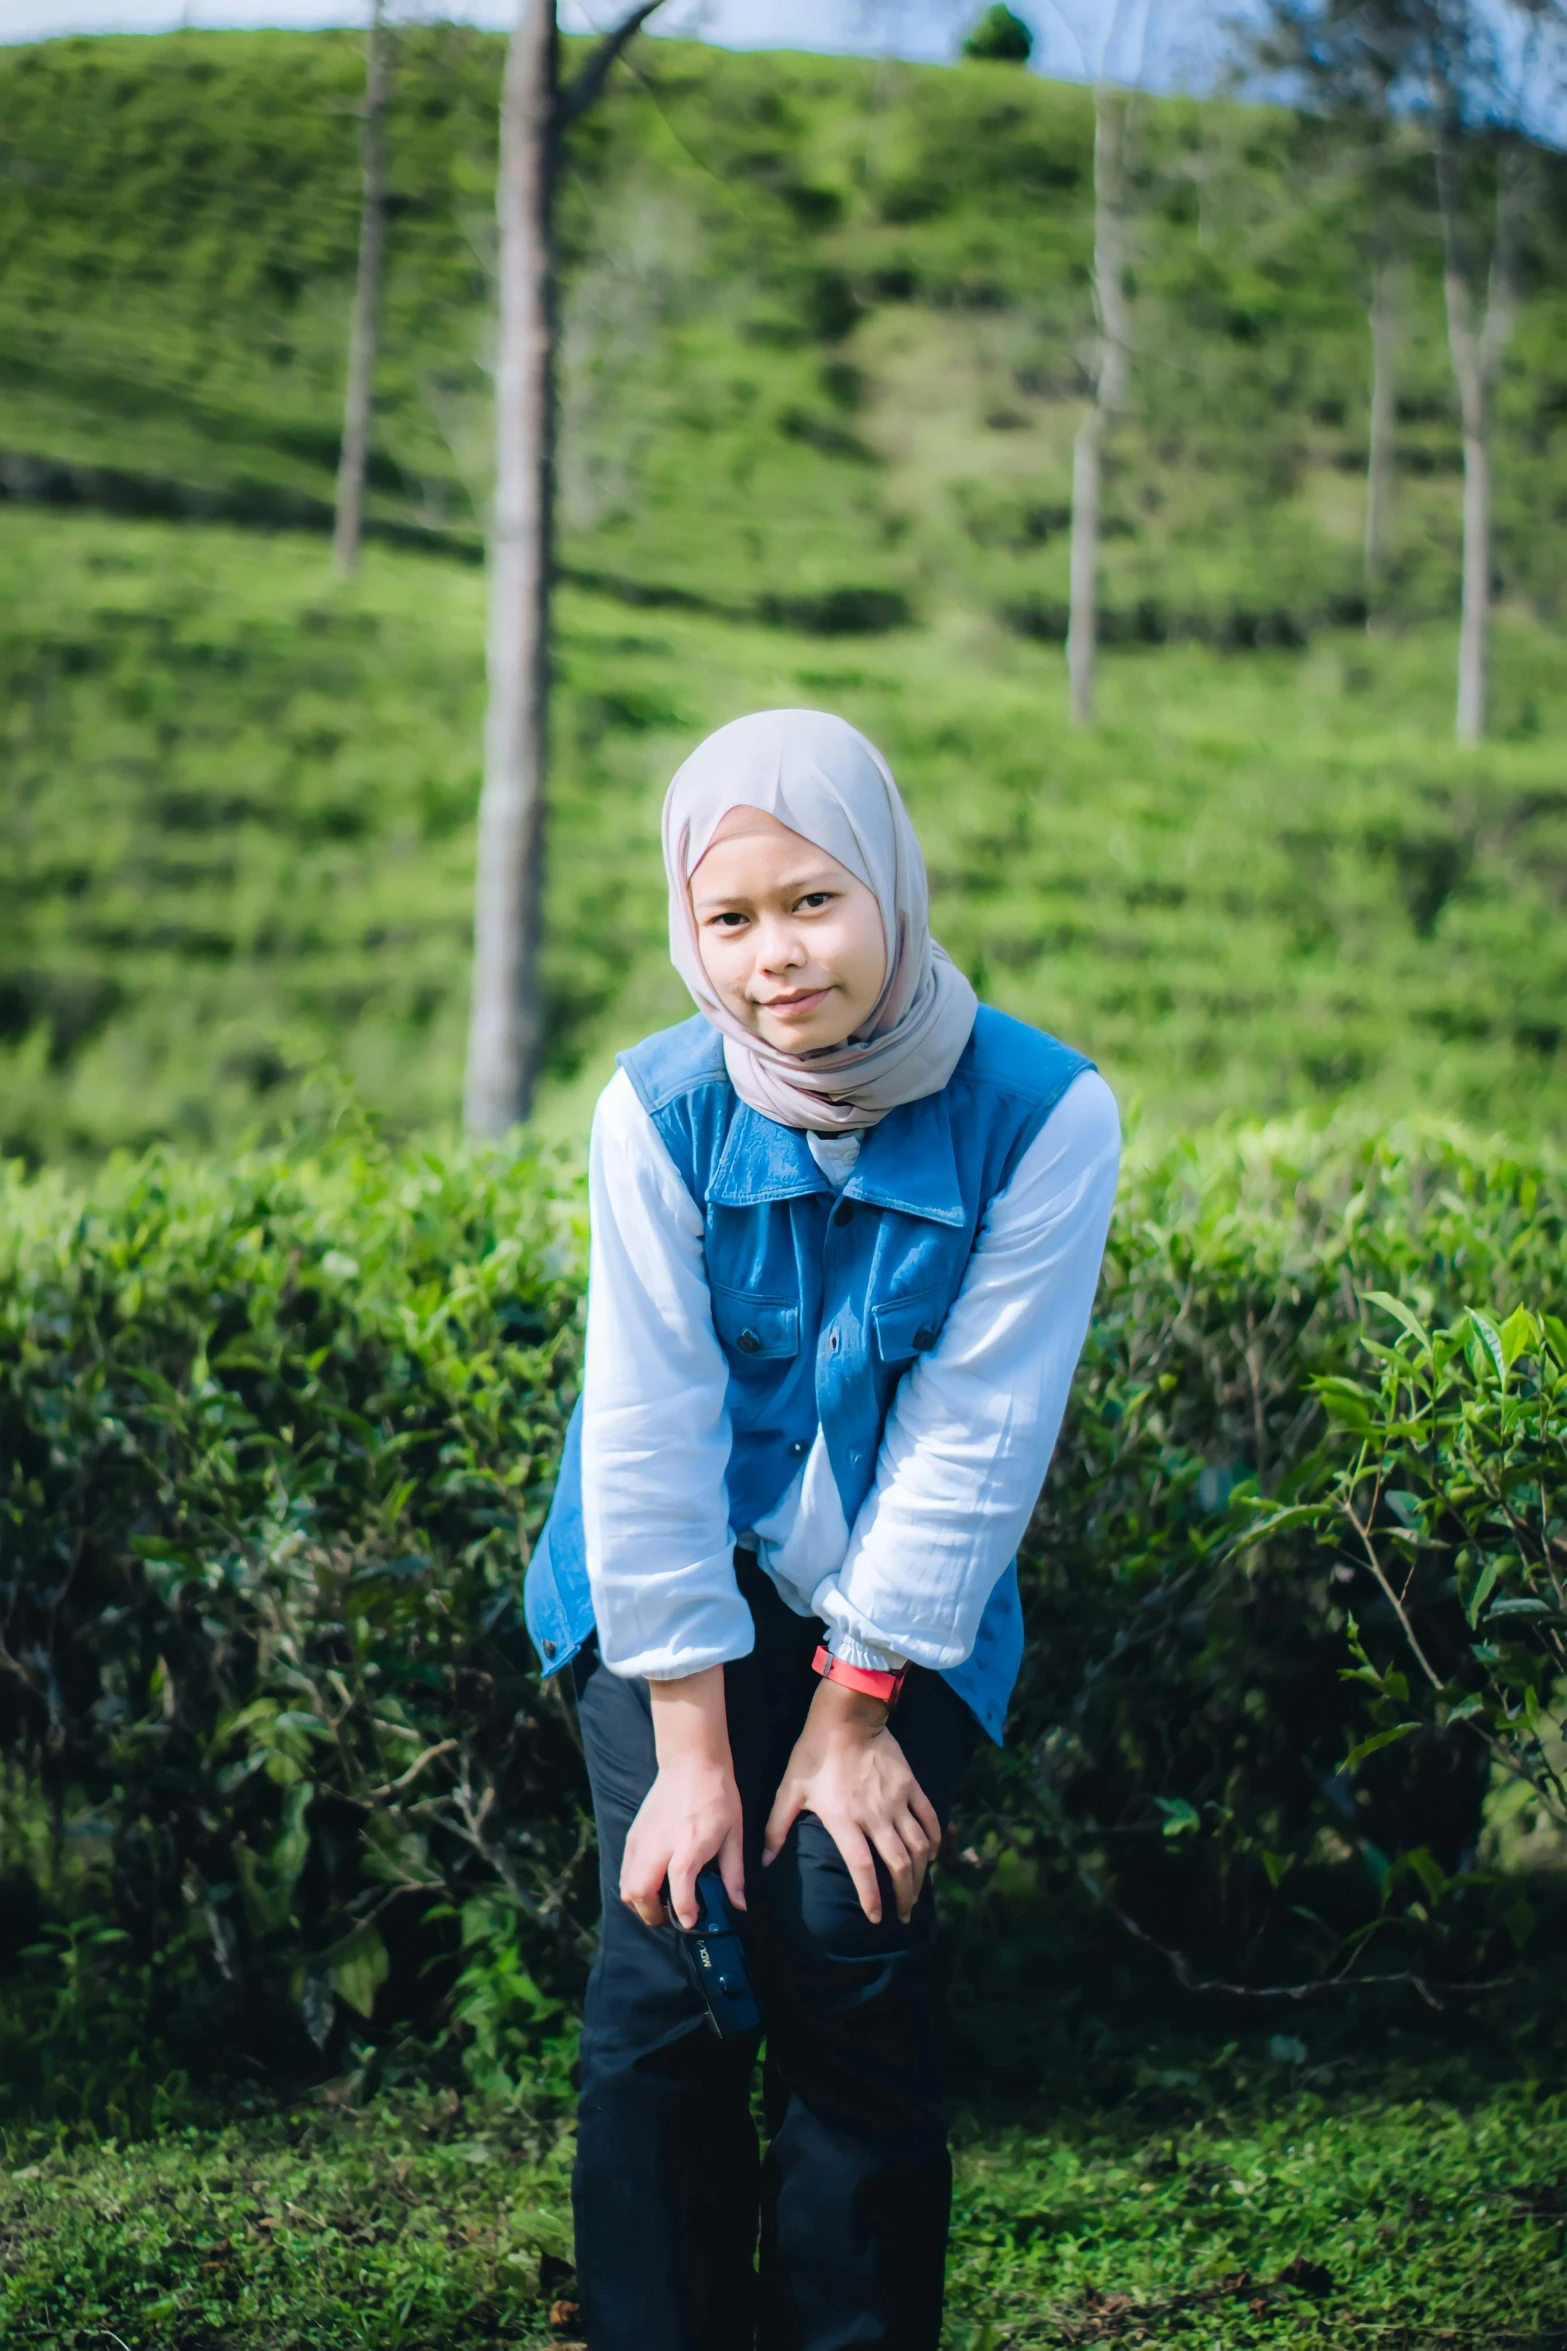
{"x":820,"y":777}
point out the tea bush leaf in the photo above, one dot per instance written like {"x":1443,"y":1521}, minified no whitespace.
{"x":1377,"y":1741}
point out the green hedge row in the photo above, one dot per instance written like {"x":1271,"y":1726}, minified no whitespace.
{"x":1261,"y":1716}
{"x":282,"y":1788}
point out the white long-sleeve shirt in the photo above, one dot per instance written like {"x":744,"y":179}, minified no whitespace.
{"x":967,"y":1441}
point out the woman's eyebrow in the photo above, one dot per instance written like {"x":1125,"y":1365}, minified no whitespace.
{"x":796,"y":885}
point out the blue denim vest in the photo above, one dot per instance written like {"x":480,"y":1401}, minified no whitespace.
{"x":822,"y":1301}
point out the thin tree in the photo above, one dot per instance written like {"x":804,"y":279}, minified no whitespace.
{"x":1385,"y":315}
{"x":1108,"y":370}
{"x":1480,"y":320}
{"x":1472,"y":70}
{"x":1109,"y":356}
{"x":1488,"y":70}
{"x":506,"y":1028}
{"x":359,"y":395}
{"x":1347,"y":64}
{"x":1468,"y":92}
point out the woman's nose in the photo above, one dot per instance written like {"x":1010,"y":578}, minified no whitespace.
{"x":780,"y":947}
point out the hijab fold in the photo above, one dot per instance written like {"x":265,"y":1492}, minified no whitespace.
{"x":825,"y":781}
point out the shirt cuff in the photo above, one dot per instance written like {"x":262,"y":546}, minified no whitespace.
{"x":868,"y":1656}
{"x":686,"y":1666}
{"x":676,"y":1623}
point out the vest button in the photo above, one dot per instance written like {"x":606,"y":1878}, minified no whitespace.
{"x":749,"y":1343}
{"x":924,"y":1336}
{"x":800,"y":1446}
{"x":842,"y":1213}
{"x":548,"y":1648}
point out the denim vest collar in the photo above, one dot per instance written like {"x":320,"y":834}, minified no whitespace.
{"x":906,"y":1162}
{"x":763,"y":1161}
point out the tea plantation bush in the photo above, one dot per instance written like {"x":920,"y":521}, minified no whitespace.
{"x":283,"y":1792}
{"x":275,"y":1440}
{"x":1245,"y":1557}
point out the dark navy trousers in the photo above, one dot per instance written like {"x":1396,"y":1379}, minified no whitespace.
{"x":688,"y":2237}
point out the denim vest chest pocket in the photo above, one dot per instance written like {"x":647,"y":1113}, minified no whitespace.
{"x":755,"y":1329}
{"x":906,"y":1327}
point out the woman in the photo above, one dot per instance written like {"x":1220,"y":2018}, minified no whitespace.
{"x":846,"y":1229}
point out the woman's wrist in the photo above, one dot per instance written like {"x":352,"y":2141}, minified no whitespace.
{"x":690,"y":1725}
{"x":844,"y":1713}
{"x":691,"y":1813}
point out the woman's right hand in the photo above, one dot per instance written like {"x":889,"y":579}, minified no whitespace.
{"x":692,"y":1810}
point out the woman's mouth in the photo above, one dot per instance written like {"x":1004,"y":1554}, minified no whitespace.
{"x":796,"y":1006}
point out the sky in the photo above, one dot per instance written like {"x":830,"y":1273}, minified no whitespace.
{"x":1167,"y":43}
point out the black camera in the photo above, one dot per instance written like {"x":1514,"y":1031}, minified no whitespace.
{"x":716,"y":1959}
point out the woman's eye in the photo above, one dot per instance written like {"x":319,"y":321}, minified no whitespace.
{"x":729,"y":922}
{"x":813,"y":899}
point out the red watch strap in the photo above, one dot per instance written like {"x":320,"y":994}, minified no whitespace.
{"x":885,"y":1686}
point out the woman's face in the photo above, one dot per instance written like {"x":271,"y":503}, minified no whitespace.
{"x":792,"y":944}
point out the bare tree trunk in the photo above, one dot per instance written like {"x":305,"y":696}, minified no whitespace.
{"x":359,"y":395}
{"x":505,"y":1028}
{"x":1476,"y":341}
{"x":1474,"y":627}
{"x":1110,"y":371}
{"x":504,"y":1034}
{"x":1082,"y":634}
{"x":1384,"y":315}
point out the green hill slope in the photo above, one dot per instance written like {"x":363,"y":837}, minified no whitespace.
{"x":236,"y":837}
{"x":823,"y":327}
{"x":822,"y":331}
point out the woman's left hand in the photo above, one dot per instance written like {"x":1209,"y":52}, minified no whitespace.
{"x":849,"y":1770}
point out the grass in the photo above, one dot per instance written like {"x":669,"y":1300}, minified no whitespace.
{"x":1398,"y":2218}
{"x":1238,"y":2206}
{"x":236,"y":840}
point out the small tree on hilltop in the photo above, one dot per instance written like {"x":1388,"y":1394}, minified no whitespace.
{"x":1002,"y":36}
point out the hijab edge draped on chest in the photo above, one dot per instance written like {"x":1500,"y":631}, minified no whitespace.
{"x":827,"y":782}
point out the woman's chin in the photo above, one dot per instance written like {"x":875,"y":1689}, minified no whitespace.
{"x":814,"y":1035}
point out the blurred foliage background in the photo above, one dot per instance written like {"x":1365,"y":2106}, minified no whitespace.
{"x":823,"y":346}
